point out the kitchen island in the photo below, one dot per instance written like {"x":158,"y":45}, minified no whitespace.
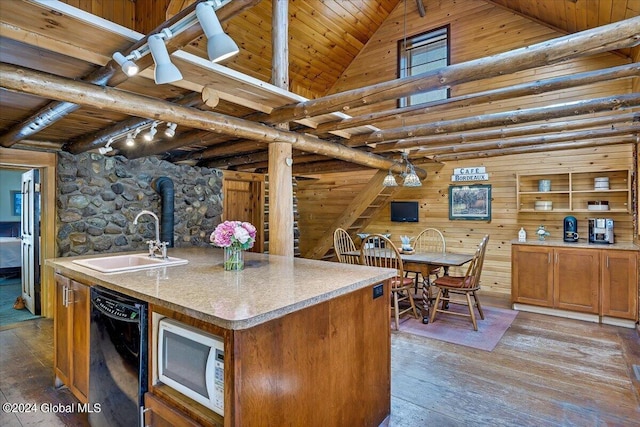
{"x":306,"y":342}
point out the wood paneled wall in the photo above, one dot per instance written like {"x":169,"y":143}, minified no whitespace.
{"x":139,"y":15}
{"x":478,"y":29}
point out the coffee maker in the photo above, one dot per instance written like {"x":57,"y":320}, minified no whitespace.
{"x":600,"y":230}
{"x":570,"y":229}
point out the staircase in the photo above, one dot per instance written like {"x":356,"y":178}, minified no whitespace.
{"x":357,"y":216}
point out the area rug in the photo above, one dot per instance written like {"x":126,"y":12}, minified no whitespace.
{"x":9,"y":290}
{"x":459,"y":330}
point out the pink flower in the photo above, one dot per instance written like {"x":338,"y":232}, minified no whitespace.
{"x":234,"y":233}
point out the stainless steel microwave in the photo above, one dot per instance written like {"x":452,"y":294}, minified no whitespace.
{"x":191,"y":361}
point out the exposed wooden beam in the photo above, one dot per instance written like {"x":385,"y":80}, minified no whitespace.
{"x":110,"y":74}
{"x":618,"y":35}
{"x":535,"y":149}
{"x":530,"y":88}
{"x":502,"y":119}
{"x":50,"y":86}
{"x":465,"y":137}
{"x":98,"y":139}
{"x":525,"y":141}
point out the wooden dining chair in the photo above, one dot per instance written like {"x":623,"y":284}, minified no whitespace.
{"x":429,"y":240}
{"x":378,"y":251}
{"x":342,"y":243}
{"x":466,"y":285}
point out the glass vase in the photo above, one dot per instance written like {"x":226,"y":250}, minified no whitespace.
{"x":233,"y":259}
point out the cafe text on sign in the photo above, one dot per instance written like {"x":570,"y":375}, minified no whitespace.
{"x":477,"y":173}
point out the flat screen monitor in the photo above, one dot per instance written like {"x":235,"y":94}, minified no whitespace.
{"x":404,"y":211}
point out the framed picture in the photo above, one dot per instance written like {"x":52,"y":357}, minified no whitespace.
{"x":471,"y":202}
{"x":16,"y":203}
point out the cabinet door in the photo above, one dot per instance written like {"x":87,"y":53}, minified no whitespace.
{"x":532,"y":275}
{"x":160,"y":414}
{"x":80,"y":310}
{"x":576,"y":279}
{"x":61,"y":330}
{"x":619,"y":284}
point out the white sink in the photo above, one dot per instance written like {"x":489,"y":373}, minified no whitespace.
{"x":132,"y":262}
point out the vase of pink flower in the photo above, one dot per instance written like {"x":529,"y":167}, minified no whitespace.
{"x":234,"y":237}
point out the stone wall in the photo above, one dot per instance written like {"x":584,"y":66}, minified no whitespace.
{"x":98,"y":198}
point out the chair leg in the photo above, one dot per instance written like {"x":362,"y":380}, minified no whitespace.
{"x":396,"y":310}
{"x":413,"y":304}
{"x":472,"y":312}
{"x":475,"y":297}
{"x":434,"y":307}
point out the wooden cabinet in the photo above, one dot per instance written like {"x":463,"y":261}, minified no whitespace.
{"x":576,"y":279}
{"x":570,"y":191}
{"x":71,"y":336}
{"x":594,"y":281}
{"x":619,"y":284}
{"x":556,"y":277}
{"x":159,"y":414}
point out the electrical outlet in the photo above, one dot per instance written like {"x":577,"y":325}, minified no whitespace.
{"x":378,"y":290}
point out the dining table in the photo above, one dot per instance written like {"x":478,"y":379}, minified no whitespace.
{"x":423,"y":262}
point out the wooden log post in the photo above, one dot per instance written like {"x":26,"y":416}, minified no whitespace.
{"x":281,"y":241}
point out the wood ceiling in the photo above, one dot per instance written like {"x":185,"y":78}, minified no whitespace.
{"x":325,"y":36}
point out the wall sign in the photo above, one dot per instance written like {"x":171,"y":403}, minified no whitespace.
{"x":478,"y":173}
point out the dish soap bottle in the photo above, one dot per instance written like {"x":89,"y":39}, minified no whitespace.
{"x":522,"y":235}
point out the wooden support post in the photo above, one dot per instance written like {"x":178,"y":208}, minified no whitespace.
{"x":281,"y":240}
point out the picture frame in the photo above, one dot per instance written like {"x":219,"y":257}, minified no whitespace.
{"x":470,"y":202}
{"x":16,"y":203}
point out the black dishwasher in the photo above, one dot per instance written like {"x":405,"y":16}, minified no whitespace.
{"x":118,"y":367}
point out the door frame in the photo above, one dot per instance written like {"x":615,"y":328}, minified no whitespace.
{"x":256,"y":182}
{"x":47,"y":163}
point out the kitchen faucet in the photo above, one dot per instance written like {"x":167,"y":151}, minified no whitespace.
{"x":154,"y":245}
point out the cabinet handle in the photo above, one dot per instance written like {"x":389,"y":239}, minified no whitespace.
{"x":143,"y":410}
{"x":607,"y":262}
{"x":65,"y":296}
{"x":549,"y":258}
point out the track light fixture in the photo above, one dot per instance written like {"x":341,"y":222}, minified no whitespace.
{"x":130,"y":141}
{"x":107,"y":147}
{"x":126,"y":62}
{"x":170,"y":131}
{"x":165,"y":71}
{"x":152,"y":132}
{"x":219,"y":45}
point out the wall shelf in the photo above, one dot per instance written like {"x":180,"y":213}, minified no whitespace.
{"x":571,"y":191}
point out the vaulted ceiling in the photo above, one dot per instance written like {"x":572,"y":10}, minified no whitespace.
{"x":325,"y":36}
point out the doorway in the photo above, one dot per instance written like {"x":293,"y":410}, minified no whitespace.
{"x":22,"y":161}
{"x":19,"y":286}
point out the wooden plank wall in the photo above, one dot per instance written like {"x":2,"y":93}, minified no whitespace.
{"x":139,"y":15}
{"x":478,"y":29}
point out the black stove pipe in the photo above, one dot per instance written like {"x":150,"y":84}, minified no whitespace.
{"x":164,"y":186}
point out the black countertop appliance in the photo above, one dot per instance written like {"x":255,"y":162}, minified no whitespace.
{"x":570,"y":229}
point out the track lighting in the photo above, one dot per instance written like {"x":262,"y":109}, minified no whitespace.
{"x":152,"y":132}
{"x":219,"y":45}
{"x":165,"y":71}
{"x":126,"y":62}
{"x":130,"y":141}
{"x":170,"y":131}
{"x":107,"y":147}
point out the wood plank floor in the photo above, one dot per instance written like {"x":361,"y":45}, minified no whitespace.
{"x":546,"y":371}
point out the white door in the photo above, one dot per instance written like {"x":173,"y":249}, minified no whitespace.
{"x":30,"y":229}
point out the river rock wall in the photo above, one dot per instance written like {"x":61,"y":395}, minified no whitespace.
{"x":99,"y":196}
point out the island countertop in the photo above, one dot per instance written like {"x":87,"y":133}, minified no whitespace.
{"x":269,"y":287}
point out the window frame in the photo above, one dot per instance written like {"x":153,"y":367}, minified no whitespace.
{"x":404,"y":101}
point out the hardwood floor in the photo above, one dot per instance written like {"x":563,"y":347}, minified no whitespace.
{"x":546,"y":371}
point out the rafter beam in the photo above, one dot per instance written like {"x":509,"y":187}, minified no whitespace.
{"x":110,"y":74}
{"x":502,"y":119}
{"x":44,"y":84}
{"x":465,"y":137}
{"x":530,"y":88}
{"x":621,"y":34}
